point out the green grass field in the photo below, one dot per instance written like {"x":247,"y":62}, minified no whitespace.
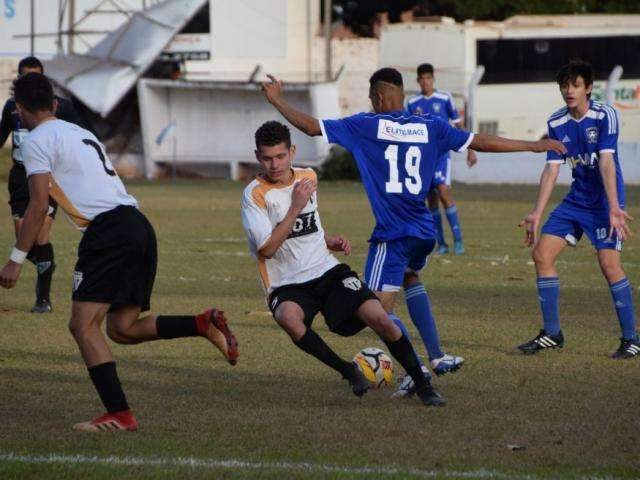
{"x":281,"y":414}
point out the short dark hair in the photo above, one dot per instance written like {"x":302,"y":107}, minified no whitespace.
{"x":424,"y":68}
{"x":387,"y":75}
{"x":272,"y":133}
{"x":30,"y":62}
{"x":34,"y":92}
{"x":574,"y":69}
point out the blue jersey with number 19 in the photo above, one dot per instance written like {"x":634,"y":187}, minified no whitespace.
{"x":396,"y":155}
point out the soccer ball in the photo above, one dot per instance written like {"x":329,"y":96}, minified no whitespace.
{"x":376,"y":366}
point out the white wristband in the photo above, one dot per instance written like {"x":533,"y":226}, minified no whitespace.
{"x":18,"y":256}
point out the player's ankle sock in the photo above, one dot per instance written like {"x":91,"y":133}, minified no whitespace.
{"x":312,"y":344}
{"x":105,"y":379}
{"x":421,"y":316}
{"x":176,"y":326}
{"x":45,"y":265}
{"x":548,"y":294}
{"x":623,"y":301}
{"x":405,"y":333}
{"x":454,"y":223}
{"x":403,"y":351}
{"x":437,"y":220}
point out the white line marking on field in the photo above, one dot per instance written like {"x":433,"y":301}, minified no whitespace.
{"x":190,"y":462}
{"x":504,"y":260}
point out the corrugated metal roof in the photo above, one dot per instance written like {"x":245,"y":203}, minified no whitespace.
{"x":105,"y":74}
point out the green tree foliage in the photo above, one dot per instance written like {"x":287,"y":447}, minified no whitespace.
{"x":501,"y":9}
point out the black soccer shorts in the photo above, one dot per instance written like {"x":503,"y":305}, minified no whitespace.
{"x":19,"y":193}
{"x":337,"y":295}
{"x":117,"y":260}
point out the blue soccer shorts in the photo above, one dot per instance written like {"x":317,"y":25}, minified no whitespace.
{"x":442,"y":173}
{"x":570,"y":222}
{"x":387,"y":262}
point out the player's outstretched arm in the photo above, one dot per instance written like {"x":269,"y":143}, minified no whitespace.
{"x":532,"y":221}
{"x":300,"y":196}
{"x":617,"y":216}
{"x":303,"y":122}
{"x":31,"y":225}
{"x":491,"y":143}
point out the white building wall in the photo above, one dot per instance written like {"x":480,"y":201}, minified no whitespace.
{"x":275,"y":34}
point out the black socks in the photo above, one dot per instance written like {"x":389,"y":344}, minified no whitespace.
{"x":312,"y":344}
{"x":176,"y":326}
{"x":105,"y":379}
{"x":403,"y":351}
{"x":42,"y":257}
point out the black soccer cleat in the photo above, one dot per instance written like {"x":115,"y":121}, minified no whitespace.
{"x":542,"y":342}
{"x":41,"y":306}
{"x":359,"y":383}
{"x":430,"y":397}
{"x":627,"y":349}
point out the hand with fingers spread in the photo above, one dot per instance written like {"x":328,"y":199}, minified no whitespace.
{"x":272,"y":89}
{"x":339,"y":243}
{"x":618,"y":219}
{"x":302,"y":192}
{"x":9,"y":274}
{"x":531,"y":223}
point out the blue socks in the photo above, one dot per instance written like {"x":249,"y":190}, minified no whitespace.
{"x":437,"y":219}
{"x":548,"y":293}
{"x":454,"y":223}
{"x":422,"y":318}
{"x":621,"y":293}
{"x":452,"y":216}
{"x":623,"y":301}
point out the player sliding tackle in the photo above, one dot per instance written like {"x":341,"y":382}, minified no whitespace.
{"x":117,"y":258}
{"x":594,"y":206}
{"x":397,"y":155}
{"x":301,"y":277}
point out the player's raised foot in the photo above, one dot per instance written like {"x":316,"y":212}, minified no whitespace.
{"x":442,"y":249}
{"x":541,"y":342}
{"x":629,"y":348}
{"x":458,"y":247}
{"x":445,"y":364}
{"x":41,"y":306}
{"x":110,"y":422}
{"x":357,"y":380}
{"x":430,"y":397}
{"x":407,"y":387}
{"x":213,"y":325}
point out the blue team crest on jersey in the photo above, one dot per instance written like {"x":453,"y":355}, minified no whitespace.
{"x":592,"y":134}
{"x":405,"y":133}
{"x":436,"y":107}
{"x":418,"y":111}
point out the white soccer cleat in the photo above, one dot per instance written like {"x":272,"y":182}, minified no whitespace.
{"x":407,"y":387}
{"x":445,"y":364}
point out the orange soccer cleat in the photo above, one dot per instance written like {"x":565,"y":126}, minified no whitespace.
{"x":110,"y":422}
{"x":212,"y":324}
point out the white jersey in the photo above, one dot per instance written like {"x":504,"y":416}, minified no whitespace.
{"x":303,"y":256}
{"x":83,"y":180}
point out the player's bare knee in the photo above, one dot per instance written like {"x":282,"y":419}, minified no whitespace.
{"x":118,"y":334}
{"x":382,"y":325}
{"x":290,"y":321}
{"x":445,"y":196}
{"x":410,"y":278}
{"x":611,"y":269}
{"x":80,"y":328}
{"x":540,"y":257}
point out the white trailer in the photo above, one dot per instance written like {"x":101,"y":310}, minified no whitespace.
{"x":521,"y":57}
